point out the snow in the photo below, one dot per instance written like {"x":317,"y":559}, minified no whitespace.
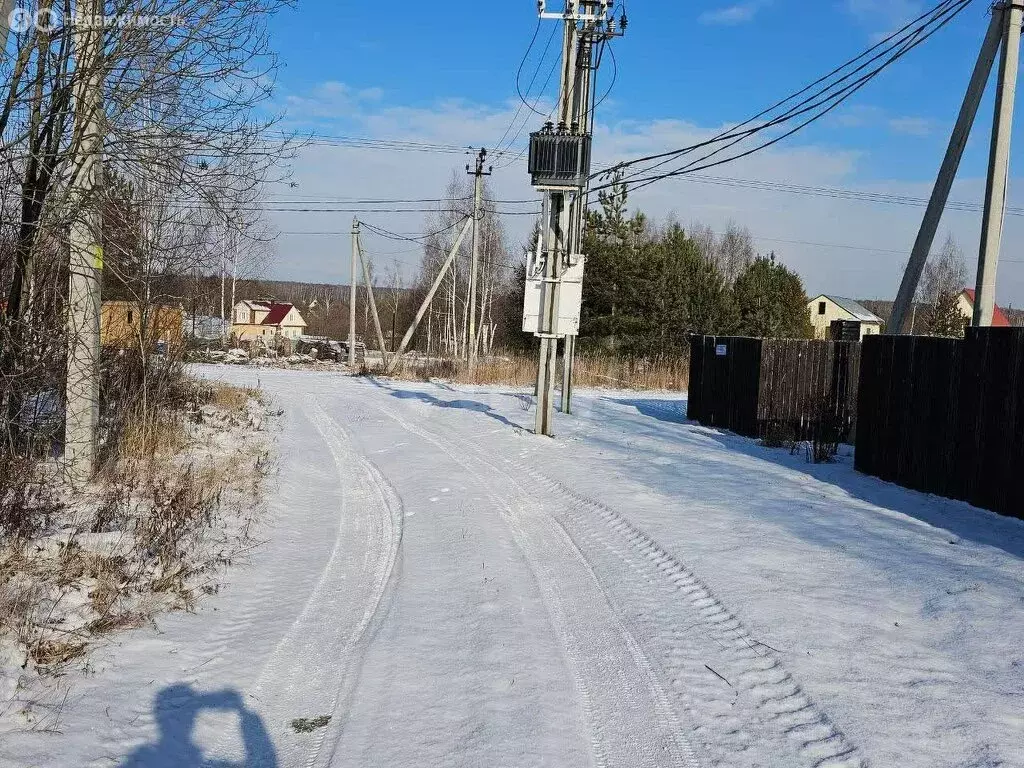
{"x":640,"y":591}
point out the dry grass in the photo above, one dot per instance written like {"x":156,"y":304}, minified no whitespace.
{"x":145,"y":439}
{"x":168,"y":511}
{"x":230,"y":398}
{"x":592,"y":370}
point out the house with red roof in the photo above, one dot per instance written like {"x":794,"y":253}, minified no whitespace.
{"x":966,"y":304}
{"x":266,"y":321}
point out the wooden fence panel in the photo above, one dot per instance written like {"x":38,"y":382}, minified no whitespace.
{"x":870,"y":416}
{"x":696,"y":380}
{"x":946,"y":416}
{"x":1015,"y":482}
{"x":760,"y":382}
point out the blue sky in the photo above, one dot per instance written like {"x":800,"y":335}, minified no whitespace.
{"x":684,"y":69}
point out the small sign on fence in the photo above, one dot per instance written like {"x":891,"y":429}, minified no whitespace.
{"x":721,"y":350}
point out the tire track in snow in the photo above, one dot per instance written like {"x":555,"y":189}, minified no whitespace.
{"x":767,"y":688}
{"x":632,"y":721}
{"x":376,"y":609}
{"x":771,"y":703}
{"x":314,"y":668}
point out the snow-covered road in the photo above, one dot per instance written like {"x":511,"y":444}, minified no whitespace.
{"x":639,"y":592}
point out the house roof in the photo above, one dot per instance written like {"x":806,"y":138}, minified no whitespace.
{"x":278,"y":313}
{"x":855,"y":308}
{"x":999,"y":318}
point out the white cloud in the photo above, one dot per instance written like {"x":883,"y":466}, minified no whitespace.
{"x":771,"y":216}
{"x":884,"y":16}
{"x":740,"y":13}
{"x":912,"y":126}
{"x":868,"y":116}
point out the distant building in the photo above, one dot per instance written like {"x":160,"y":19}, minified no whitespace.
{"x":966,"y":304}
{"x":266,"y":321}
{"x":121,"y":325}
{"x":826,"y":309}
{"x":207,"y":328}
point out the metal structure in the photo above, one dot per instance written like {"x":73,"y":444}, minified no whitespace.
{"x":1003,"y":34}
{"x":559,"y":159}
{"x":559,"y":165}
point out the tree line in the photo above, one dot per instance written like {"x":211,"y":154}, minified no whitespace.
{"x":648,"y":287}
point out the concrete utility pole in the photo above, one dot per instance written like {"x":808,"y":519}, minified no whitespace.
{"x":407,"y":339}
{"x":947,"y":173}
{"x":1004,"y":29}
{"x":998,"y":168}
{"x":560,"y":166}
{"x":373,"y":302}
{"x":86,"y":258}
{"x":478,"y":194}
{"x":352,"y":297}
{"x":226,"y":319}
{"x":568,"y":363}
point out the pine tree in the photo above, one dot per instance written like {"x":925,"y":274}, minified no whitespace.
{"x":771,"y":302}
{"x":944,"y":317}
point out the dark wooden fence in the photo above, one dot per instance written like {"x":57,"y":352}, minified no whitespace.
{"x":946,"y":416}
{"x":794,"y":386}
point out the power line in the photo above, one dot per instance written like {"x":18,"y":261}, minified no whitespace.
{"x":826,"y":99}
{"x":533,"y":79}
{"x":732,"y":132}
{"x":836,"y":193}
{"x":412,"y":239}
{"x":523,"y":98}
{"x":363,"y":142}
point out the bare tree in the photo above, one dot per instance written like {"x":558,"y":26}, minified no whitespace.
{"x":181,"y":85}
{"x":942,"y":281}
{"x":452,"y":304}
{"x":734,"y":251}
{"x":944,"y":273}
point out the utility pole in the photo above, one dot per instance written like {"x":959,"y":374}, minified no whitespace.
{"x":224,"y":327}
{"x":568,"y":363}
{"x":352,"y":297}
{"x":372,"y":301}
{"x":234,"y":268}
{"x":425,"y":305}
{"x":478,"y":194}
{"x":560,"y":167}
{"x":86,"y":258}
{"x":994,"y":215}
{"x":1004,"y":29}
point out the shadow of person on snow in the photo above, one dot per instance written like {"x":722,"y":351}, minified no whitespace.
{"x":177,"y":707}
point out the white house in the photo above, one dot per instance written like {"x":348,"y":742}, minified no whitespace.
{"x":266,"y":321}
{"x":825,"y":309}
{"x":965,"y":303}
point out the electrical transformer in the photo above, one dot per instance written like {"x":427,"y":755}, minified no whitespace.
{"x":559,"y":158}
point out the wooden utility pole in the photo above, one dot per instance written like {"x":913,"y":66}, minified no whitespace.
{"x":86,"y":257}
